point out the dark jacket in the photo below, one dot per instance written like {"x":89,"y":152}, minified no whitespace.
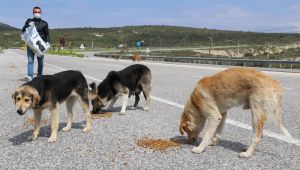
{"x":41,"y":26}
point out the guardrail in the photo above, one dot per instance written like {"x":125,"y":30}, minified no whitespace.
{"x":286,"y":64}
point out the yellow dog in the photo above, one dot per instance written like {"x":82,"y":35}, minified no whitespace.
{"x":213,"y":96}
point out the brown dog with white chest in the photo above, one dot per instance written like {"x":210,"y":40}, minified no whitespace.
{"x":49,"y":92}
{"x":214,"y":96}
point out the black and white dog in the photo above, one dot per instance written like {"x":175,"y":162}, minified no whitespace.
{"x":132,"y":80}
{"x":49,"y":91}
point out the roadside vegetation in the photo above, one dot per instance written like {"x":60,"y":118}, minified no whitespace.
{"x":217,"y":43}
{"x":65,"y":53}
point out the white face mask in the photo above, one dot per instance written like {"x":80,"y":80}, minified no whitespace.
{"x":37,"y":15}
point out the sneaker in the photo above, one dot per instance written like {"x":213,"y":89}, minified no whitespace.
{"x":28,"y":78}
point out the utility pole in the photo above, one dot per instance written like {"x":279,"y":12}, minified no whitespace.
{"x":92,"y":44}
{"x":268,"y":53}
{"x":211,"y":39}
{"x":238,"y":47}
{"x":70,"y":46}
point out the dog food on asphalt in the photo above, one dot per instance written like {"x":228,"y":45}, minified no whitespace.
{"x":102,"y":115}
{"x":157,"y":144}
{"x":30,"y":121}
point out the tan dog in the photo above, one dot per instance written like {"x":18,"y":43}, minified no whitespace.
{"x":213,"y":96}
{"x":136,"y":57}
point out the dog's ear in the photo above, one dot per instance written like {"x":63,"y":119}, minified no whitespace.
{"x":35,"y":99}
{"x":92,"y":90}
{"x":183,"y":123}
{"x":181,"y":127}
{"x":93,"y":87}
{"x":13,"y":96}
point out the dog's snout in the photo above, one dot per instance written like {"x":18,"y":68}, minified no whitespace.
{"x":19,"y":111}
{"x":95,"y":110}
{"x":191,"y":140}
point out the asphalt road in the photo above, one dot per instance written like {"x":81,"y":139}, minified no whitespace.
{"x":112,"y":142}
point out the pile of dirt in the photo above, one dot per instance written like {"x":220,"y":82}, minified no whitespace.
{"x":102,"y":115}
{"x":157,"y":144}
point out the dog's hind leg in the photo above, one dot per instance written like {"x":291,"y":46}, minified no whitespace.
{"x":85,"y":106}
{"x":69,"y":104}
{"x":213,"y":122}
{"x":54,"y":123}
{"x":259,"y":117}
{"x":215,"y":139}
{"x":137,"y":99}
{"x":88,"y":116}
{"x":37,"y":121}
{"x":84,"y":102}
{"x":146,"y":92}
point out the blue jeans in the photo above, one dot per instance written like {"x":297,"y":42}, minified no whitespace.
{"x":30,"y":55}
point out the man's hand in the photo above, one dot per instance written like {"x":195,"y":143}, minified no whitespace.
{"x":31,"y":23}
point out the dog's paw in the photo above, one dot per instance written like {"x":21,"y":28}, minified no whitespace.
{"x":244,"y":155}
{"x":246,"y":106}
{"x":87,"y":129}
{"x":33,"y":137}
{"x":52,"y":139}
{"x":197,"y":150}
{"x":122,"y":113}
{"x":67,"y":128}
{"x":132,"y":108}
{"x":214,"y":141}
{"x":146,"y":108}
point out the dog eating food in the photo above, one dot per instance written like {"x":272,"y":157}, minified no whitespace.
{"x":213,"y":96}
{"x":132,"y":80}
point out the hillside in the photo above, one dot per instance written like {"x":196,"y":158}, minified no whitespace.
{"x":168,"y":36}
{"x":154,"y":36}
{"x":5,"y":27}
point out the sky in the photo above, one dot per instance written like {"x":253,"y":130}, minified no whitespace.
{"x":244,"y":15}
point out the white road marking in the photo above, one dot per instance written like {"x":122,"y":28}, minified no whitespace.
{"x":63,"y":69}
{"x":196,"y":66}
{"x":229,"y":121}
{"x":167,"y":102}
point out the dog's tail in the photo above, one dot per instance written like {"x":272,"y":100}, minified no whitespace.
{"x":279,"y":124}
{"x":279,"y":98}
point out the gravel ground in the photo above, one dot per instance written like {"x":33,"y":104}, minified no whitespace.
{"x":112,"y":142}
